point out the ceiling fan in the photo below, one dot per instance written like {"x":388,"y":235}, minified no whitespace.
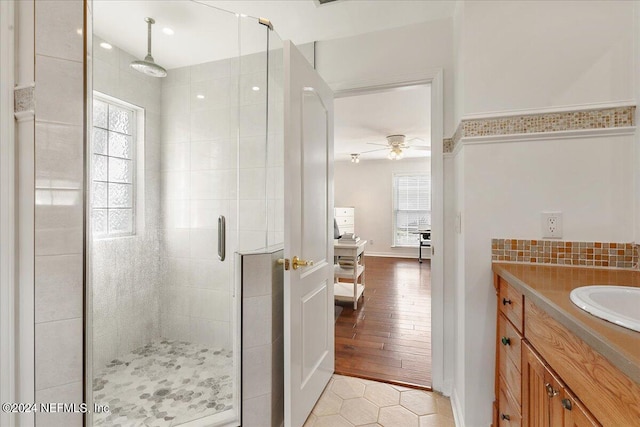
{"x":396,"y":144}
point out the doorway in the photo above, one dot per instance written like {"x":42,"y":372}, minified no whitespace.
{"x":383,"y":173}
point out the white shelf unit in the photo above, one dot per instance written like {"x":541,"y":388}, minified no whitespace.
{"x":351,"y":267}
{"x":345,"y":217}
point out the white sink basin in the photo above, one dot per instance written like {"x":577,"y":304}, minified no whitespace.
{"x":617,"y":304}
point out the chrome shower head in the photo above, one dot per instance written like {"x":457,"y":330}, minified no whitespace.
{"x":148,"y":66}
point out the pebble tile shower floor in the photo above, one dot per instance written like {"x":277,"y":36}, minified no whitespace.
{"x":164,"y":383}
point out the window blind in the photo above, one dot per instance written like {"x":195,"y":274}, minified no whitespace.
{"x":412,"y":207}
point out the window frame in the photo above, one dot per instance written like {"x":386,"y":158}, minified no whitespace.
{"x":395,"y":210}
{"x":137,"y":165}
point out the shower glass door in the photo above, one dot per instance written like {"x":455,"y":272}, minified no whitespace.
{"x":168,"y":158}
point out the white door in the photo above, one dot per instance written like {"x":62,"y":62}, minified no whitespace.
{"x":308,"y":290}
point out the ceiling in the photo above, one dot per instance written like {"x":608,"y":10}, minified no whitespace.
{"x":363,"y":119}
{"x":203,"y":33}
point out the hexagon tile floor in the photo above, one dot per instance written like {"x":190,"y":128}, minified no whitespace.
{"x":348,"y":402}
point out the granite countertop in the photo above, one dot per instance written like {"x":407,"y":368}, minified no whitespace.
{"x":549,"y":287}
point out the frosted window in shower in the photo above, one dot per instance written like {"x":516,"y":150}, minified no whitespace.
{"x":113,"y":168}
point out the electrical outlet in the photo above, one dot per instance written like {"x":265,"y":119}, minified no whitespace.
{"x":551,"y":225}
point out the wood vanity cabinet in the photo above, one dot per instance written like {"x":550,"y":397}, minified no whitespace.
{"x":546,"y":401}
{"x":528,"y":392}
{"x":508,"y":406}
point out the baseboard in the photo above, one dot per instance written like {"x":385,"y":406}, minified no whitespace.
{"x":393,"y":255}
{"x":447,"y":385}
{"x":457,"y":411}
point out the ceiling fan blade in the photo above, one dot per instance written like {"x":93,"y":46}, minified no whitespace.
{"x":371,"y":151}
{"x":415,"y":139}
{"x":421,"y":147}
{"x":376,"y":143}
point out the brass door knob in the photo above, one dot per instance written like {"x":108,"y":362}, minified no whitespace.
{"x":285,"y":262}
{"x":297,"y":262}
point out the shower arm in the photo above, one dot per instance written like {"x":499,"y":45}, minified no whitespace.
{"x":150,"y":22}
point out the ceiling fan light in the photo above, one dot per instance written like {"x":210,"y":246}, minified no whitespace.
{"x":395,"y":153}
{"x":355,"y":158}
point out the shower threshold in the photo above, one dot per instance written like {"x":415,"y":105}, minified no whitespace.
{"x":164,"y":383}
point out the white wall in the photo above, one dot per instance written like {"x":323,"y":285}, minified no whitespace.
{"x":505,"y":187}
{"x":552,"y":58}
{"x":368,"y":187}
{"x":391,"y":53}
{"x":459,"y":389}
{"x":556,"y":53}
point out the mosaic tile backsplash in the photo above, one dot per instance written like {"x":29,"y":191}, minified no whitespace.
{"x":593,"y":254}
{"x":601,"y":118}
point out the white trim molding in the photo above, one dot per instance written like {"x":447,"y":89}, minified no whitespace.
{"x":564,"y":134}
{"x":7,"y":212}
{"x":397,"y":255}
{"x":435,"y":78}
{"x":25,"y":213}
{"x":458,"y":418}
{"x":542,"y":136}
{"x":600,"y":119}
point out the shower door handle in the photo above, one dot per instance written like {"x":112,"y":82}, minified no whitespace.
{"x":222,"y":237}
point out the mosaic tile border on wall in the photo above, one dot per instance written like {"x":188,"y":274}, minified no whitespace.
{"x":24,"y":99}
{"x":589,"y":254}
{"x":599,"y":118}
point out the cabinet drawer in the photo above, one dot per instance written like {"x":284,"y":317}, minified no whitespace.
{"x":343,"y":211}
{"x":512,"y":379}
{"x":511,"y":303}
{"x":344,"y":220}
{"x":509,"y":357}
{"x":509,"y":342}
{"x":508,"y":410}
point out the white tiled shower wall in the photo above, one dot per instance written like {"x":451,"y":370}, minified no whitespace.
{"x":58,"y":201}
{"x":199,"y":183}
{"x":206,"y":110}
{"x":126,"y":271}
{"x":262,"y":340}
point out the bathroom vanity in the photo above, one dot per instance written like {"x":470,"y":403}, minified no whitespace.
{"x":557,"y":365}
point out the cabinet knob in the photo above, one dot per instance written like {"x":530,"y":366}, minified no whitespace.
{"x":566,"y":404}
{"x":506,"y":341}
{"x":505,"y":417}
{"x":550,"y":391}
{"x":506,"y":301}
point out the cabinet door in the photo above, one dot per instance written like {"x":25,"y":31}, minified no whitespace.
{"x":576,"y":415}
{"x":546,"y":401}
{"x":535,"y":398}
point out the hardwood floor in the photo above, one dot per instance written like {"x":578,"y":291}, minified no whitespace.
{"x":389,"y":337}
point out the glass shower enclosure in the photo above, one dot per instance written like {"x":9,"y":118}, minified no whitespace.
{"x":183,"y":171}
